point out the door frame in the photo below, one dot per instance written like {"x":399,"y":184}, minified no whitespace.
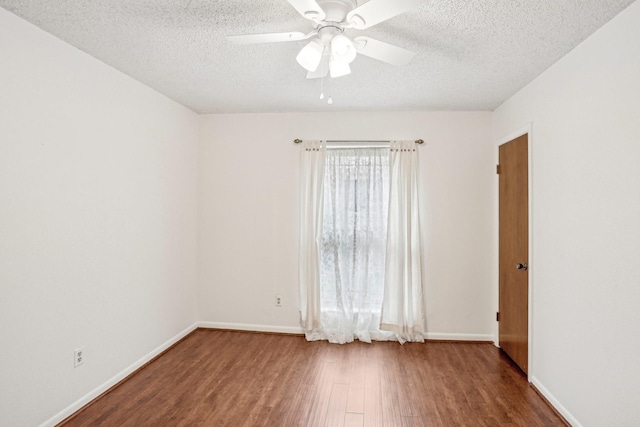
{"x":527,"y":129}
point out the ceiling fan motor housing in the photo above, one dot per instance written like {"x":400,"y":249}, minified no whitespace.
{"x":336,"y":10}
{"x":327,"y":32}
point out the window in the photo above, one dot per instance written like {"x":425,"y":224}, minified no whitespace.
{"x":354,"y":227}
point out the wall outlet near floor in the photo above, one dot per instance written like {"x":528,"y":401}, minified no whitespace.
{"x":78,"y":357}
{"x":278,"y":301}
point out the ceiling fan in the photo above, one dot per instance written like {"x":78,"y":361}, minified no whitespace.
{"x":330,"y":51}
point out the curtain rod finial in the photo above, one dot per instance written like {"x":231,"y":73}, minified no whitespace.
{"x":297,"y":141}
{"x":419,"y":141}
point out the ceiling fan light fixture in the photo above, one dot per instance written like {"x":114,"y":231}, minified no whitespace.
{"x":342,"y":49}
{"x":338,"y":69}
{"x":310,"y":56}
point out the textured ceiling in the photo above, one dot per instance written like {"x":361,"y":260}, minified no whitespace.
{"x":471,"y":55}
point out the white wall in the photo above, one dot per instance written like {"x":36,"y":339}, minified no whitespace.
{"x":97,"y":222}
{"x":585,"y":113}
{"x":248,"y":224}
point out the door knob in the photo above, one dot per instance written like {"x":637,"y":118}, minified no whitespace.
{"x":522,"y":266}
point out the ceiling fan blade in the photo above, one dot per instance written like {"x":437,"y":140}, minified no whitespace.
{"x":309,"y":9}
{"x":322,"y":70}
{"x":382,"y":51}
{"x":375,"y":11}
{"x":270,"y":37}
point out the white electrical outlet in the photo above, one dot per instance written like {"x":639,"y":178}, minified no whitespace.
{"x":78,"y":357}
{"x":278,"y":301}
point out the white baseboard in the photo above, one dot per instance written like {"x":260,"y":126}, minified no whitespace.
{"x":78,"y":404}
{"x":556,"y":404}
{"x":299,"y":330}
{"x":253,"y":328}
{"x":459,"y":337}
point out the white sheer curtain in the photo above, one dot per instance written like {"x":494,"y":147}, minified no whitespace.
{"x":402,"y":309}
{"x":312,"y":179}
{"x":356,"y":194}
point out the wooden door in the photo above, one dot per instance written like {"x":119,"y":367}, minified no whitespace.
{"x":514,"y":251}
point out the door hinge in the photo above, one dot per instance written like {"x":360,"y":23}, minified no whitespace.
{"x":498,"y":169}
{"x":498,"y":316}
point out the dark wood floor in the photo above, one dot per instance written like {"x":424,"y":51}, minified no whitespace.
{"x":221,"y":378}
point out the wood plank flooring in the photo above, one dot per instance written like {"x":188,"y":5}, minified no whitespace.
{"x":224,"y":378}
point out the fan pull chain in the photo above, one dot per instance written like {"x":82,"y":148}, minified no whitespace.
{"x":330,"y":100}
{"x":322,"y":80}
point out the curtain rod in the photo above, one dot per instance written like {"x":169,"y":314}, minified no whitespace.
{"x":298,"y":141}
